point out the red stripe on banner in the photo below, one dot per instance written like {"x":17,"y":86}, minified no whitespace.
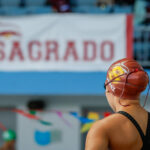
{"x":129,"y":36}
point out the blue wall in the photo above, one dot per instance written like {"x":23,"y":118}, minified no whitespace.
{"x":52,"y":83}
{"x":60,"y":83}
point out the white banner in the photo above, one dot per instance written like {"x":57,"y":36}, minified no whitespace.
{"x":64,"y":42}
{"x":33,"y":135}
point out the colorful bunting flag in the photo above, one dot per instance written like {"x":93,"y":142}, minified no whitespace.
{"x":25,"y":114}
{"x":60,"y":115}
{"x":45,"y":123}
{"x":86,"y":127}
{"x":91,"y":115}
{"x":30,"y":116}
{"x":81,"y":119}
{"x":106,"y":114}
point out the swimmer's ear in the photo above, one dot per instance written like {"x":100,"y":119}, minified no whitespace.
{"x":107,"y":91}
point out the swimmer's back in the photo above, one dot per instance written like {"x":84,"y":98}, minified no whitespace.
{"x":120,"y":132}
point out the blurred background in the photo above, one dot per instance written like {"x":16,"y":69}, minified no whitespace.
{"x":54,"y":55}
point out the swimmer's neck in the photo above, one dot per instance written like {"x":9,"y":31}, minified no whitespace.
{"x":126,"y":105}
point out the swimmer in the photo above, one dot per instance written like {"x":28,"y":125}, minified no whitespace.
{"x":129,"y":127}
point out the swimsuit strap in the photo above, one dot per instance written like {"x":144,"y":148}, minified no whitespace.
{"x":134,"y":123}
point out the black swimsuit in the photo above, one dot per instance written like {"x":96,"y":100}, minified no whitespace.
{"x":145,"y":138}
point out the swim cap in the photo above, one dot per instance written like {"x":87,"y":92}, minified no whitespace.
{"x":126,"y":79}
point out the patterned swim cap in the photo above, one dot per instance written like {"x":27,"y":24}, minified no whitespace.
{"x":126,"y":79}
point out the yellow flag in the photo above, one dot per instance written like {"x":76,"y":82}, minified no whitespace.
{"x":86,"y":127}
{"x":93,"y":116}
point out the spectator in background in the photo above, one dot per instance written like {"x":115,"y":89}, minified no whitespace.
{"x":60,"y":5}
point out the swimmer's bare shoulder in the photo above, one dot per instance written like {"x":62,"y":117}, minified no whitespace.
{"x":109,"y":132}
{"x":98,"y":136}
